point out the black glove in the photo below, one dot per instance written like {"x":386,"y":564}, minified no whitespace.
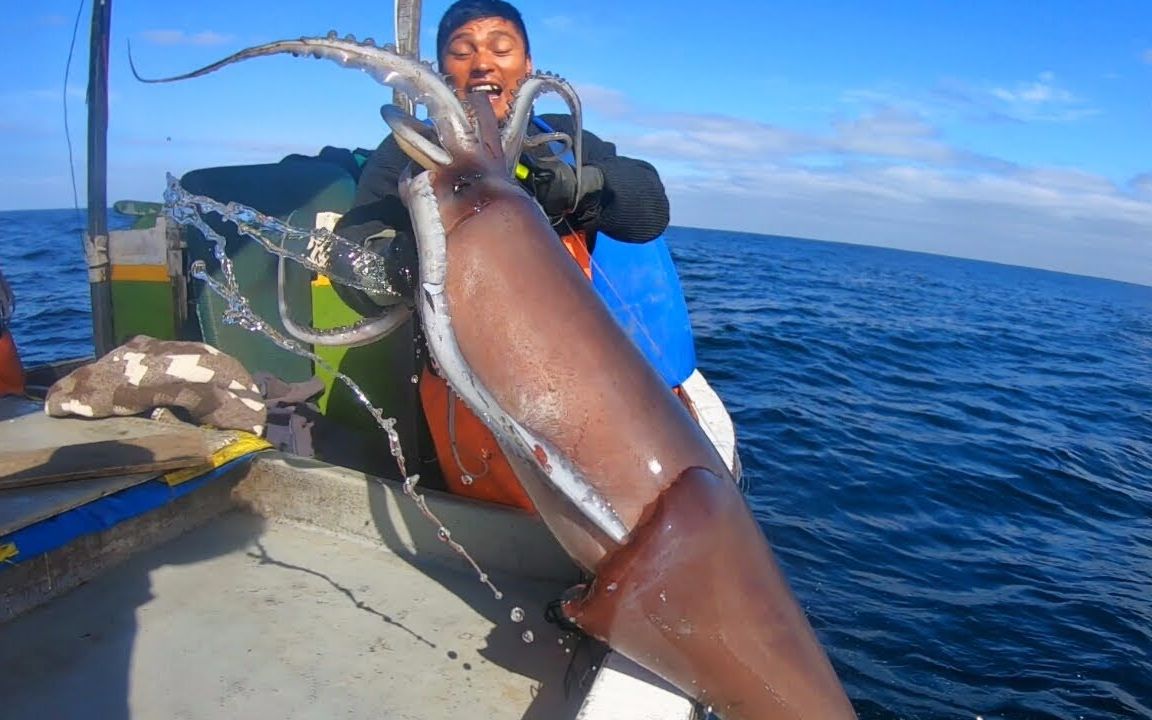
{"x":553,"y":182}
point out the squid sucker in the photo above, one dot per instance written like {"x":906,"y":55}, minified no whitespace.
{"x":684,"y":582}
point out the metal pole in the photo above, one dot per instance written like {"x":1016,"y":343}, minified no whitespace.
{"x":407,"y":42}
{"x":96,"y":240}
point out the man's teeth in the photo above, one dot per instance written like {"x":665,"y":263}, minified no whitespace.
{"x":487,"y":88}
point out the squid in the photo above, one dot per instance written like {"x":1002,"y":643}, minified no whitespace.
{"x":684,"y":581}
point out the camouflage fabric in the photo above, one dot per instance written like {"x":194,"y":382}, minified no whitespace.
{"x":144,"y":374}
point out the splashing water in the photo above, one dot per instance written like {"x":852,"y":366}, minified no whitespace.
{"x":320,"y":250}
{"x":313,"y":250}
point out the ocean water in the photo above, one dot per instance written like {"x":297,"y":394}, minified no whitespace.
{"x":953,"y":459}
{"x":42,"y":256}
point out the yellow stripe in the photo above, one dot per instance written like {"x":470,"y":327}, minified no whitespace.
{"x":139,"y":273}
{"x":244,"y":444}
{"x":8,"y":551}
{"x":321,"y":281}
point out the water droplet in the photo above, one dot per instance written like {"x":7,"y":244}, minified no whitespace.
{"x":444,"y":534}
{"x":499,"y":595}
{"x":528,"y":636}
{"x":611,"y":588}
{"x":467,"y":479}
{"x":484,"y":578}
{"x":517,"y":614}
{"x":415,"y":379}
{"x":663,"y":596}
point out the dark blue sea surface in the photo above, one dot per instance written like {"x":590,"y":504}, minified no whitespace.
{"x":42,"y":256}
{"x":953,"y":459}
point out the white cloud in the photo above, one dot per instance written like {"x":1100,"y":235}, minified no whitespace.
{"x":1068,"y":180}
{"x":1142,"y":184}
{"x":891,"y":133}
{"x":179,"y":37}
{"x":1042,"y":99}
{"x":722,"y":141}
{"x":987,"y":217}
{"x":888,"y":177}
{"x":719,"y":139}
{"x":558,"y":22}
{"x":604,"y":100}
{"x":1043,"y":90}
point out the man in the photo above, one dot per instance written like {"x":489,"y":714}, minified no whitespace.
{"x":482,"y":45}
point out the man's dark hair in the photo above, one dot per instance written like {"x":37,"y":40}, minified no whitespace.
{"x":462,"y":12}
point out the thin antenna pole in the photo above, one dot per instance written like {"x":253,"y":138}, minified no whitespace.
{"x":96,"y":240}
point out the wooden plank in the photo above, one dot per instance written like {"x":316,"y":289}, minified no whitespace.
{"x":101,"y":458}
{"x":37,"y":449}
{"x":25,"y":429}
{"x":22,"y":507}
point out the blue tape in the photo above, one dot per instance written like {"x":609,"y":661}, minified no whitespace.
{"x":59,"y":530}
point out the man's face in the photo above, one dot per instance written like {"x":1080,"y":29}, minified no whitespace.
{"x":487,"y":55}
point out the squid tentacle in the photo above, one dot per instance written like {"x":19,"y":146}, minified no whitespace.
{"x":416,"y":79}
{"x":564,"y":139}
{"x":413,"y":138}
{"x":515,"y":129}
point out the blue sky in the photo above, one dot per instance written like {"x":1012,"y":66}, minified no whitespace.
{"x":995,"y":130}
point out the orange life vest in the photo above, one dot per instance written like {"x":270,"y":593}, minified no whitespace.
{"x":11,"y":370}
{"x":470,"y":458}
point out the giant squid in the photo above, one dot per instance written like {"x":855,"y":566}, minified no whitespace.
{"x":683,"y":579}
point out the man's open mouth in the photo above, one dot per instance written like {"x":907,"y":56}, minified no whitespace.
{"x":492,"y":89}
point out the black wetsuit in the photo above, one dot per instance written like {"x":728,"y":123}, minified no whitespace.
{"x":632,"y":207}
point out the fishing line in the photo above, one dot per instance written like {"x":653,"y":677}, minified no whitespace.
{"x":67,"y":132}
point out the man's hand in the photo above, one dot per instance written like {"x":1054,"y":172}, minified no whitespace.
{"x":553,"y":182}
